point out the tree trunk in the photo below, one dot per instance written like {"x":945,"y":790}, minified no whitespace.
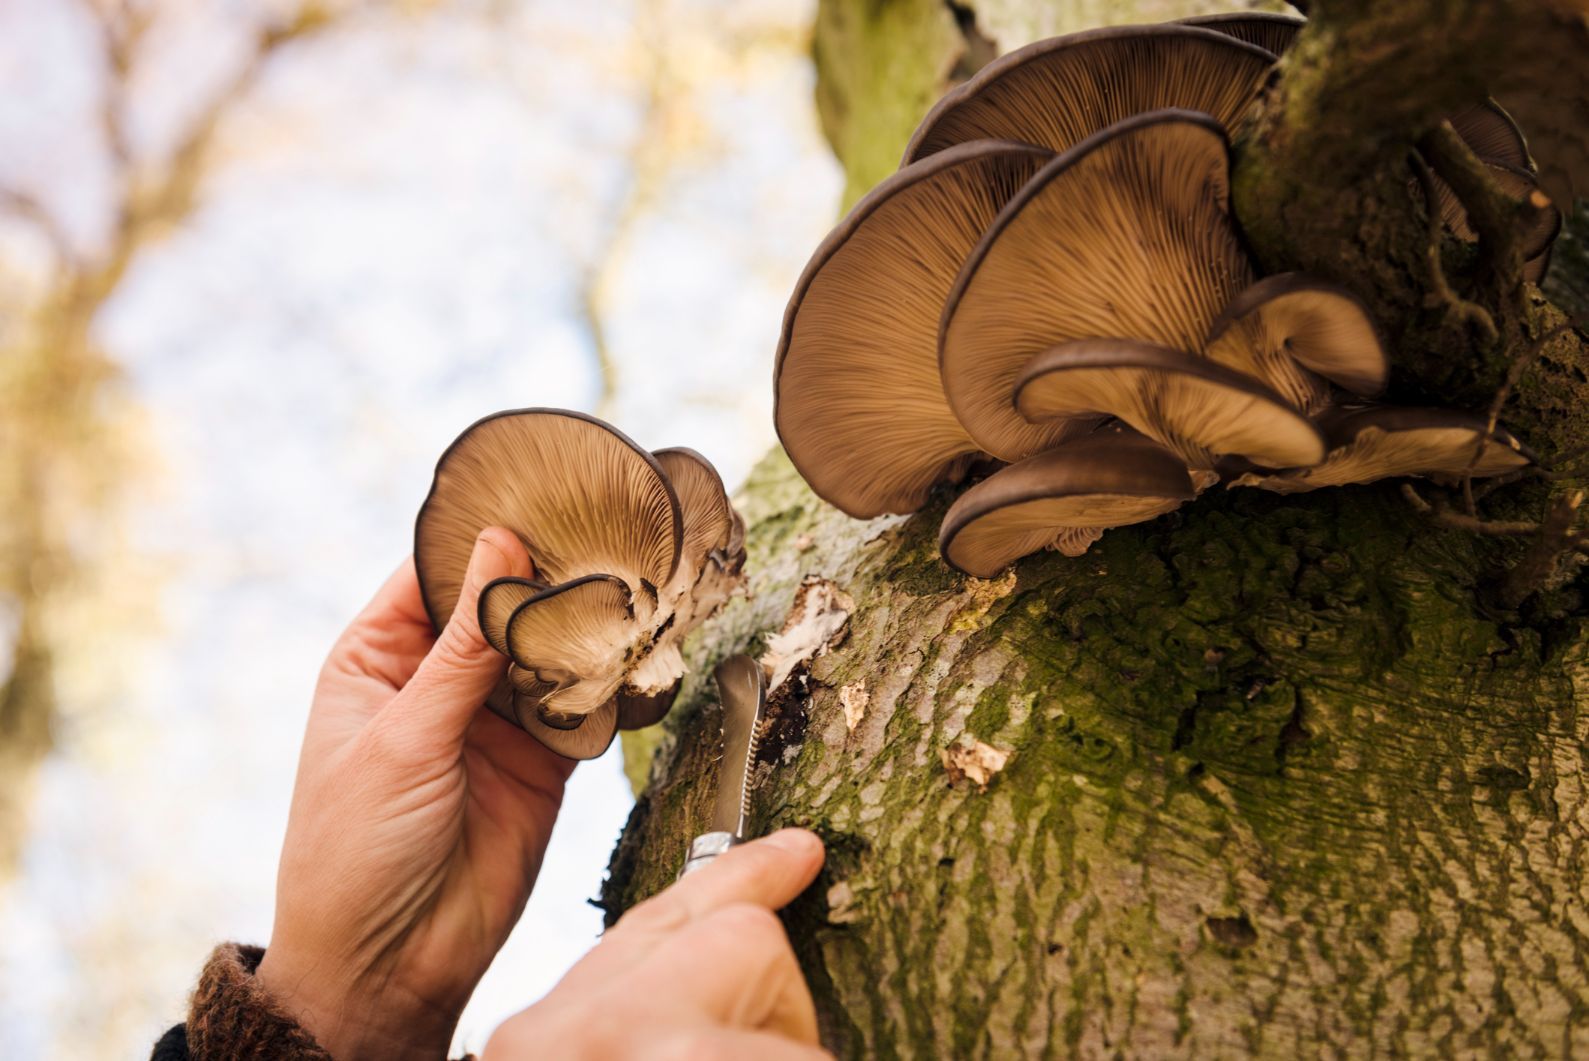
{"x":1285,"y":776}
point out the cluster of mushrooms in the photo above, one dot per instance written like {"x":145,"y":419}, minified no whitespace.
{"x":1052,"y":286}
{"x":632,"y":550}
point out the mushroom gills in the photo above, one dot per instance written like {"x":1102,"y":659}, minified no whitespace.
{"x":580,"y":495}
{"x":1198,"y":409}
{"x":1540,"y":230}
{"x":1125,"y":235}
{"x":1059,"y":91}
{"x":1272,"y":32}
{"x":575,"y":636}
{"x":1492,"y":135}
{"x":858,"y":402}
{"x":498,"y":601}
{"x":703,"y":503}
{"x":1288,"y":326}
{"x":586,"y":740}
{"x":1382,"y":442}
{"x":1108,"y":479}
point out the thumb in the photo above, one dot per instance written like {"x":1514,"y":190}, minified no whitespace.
{"x":461,"y":669}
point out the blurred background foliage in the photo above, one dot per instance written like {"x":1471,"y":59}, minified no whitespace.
{"x":259,"y":261}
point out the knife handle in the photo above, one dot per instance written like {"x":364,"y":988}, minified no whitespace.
{"x":705,"y":848}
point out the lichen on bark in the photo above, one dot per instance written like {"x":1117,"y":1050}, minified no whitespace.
{"x":1282,"y":779}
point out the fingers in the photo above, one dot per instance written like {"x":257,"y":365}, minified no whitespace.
{"x":729,"y":1045}
{"x":702,"y":971}
{"x":461,"y":669}
{"x":734,"y":968}
{"x":768,"y":872}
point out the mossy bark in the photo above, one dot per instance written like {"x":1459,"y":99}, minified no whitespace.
{"x":1283,"y":778}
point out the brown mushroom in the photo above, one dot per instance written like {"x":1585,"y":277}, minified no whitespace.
{"x":1380,"y":442}
{"x":625,"y":565}
{"x":576,"y":637}
{"x":639,"y":710}
{"x":1492,"y":134}
{"x":1290,"y":320}
{"x":499,"y":599}
{"x":1273,"y":33}
{"x":1057,"y":92}
{"x":703,"y":503}
{"x":1521,"y":185}
{"x":581,"y":496}
{"x":585,"y":737}
{"x":1126,"y":235}
{"x":1197,"y":408}
{"x":858,"y":402}
{"x":1062,"y":497}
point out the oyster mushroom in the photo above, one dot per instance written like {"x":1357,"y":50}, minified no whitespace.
{"x":1057,"y":92}
{"x":619,"y":553}
{"x":495,"y":608}
{"x":1196,"y":407}
{"x":1496,"y":140}
{"x":1126,"y":235}
{"x":1063,"y":497}
{"x":1287,"y":320}
{"x":1370,"y":443}
{"x":1272,"y":32}
{"x":1521,"y":185}
{"x":858,"y":402}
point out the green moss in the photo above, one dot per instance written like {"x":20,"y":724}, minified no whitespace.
{"x":880,"y":65}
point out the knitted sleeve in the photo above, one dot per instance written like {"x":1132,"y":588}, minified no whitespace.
{"x":231,"y":1018}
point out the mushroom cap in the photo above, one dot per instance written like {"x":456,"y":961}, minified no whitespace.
{"x":1381,"y":442}
{"x":1522,"y":185}
{"x":858,"y":402}
{"x":499,"y":599}
{"x":1127,"y":234}
{"x":1056,"y":92}
{"x":1273,"y":33}
{"x":1492,"y":135}
{"x":639,"y":710}
{"x":736,"y":538}
{"x":586,"y":739}
{"x":1289,"y":319}
{"x":1197,"y":408}
{"x":703,"y":504}
{"x":580,"y":495}
{"x":1106,"y":479}
{"x":576,"y":636}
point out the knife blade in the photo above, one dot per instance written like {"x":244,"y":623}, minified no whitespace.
{"x":742,"y":690}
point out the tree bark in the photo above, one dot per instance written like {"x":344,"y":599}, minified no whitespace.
{"x":1285,"y":776}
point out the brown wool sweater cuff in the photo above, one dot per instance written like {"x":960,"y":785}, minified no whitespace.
{"x":231,"y":1017}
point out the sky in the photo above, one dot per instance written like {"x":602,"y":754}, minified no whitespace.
{"x":396,"y":236}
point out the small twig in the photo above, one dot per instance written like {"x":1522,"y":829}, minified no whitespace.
{"x":1538,"y":563}
{"x":1492,"y":214}
{"x":30,"y":210}
{"x":1514,"y":375}
{"x":1442,"y":514}
{"x":1494,"y":483}
{"x":1443,"y":293}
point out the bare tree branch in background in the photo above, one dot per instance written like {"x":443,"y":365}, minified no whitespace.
{"x":58,"y":459}
{"x":647,"y":163}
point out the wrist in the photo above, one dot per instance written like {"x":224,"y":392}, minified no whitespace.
{"x":350,"y":1018}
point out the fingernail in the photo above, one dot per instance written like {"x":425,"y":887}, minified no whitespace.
{"x":794,"y":841}
{"x":486,"y":559}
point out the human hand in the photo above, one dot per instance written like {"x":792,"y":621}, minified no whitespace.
{"x":418,"y":824}
{"x":702,"y":972}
